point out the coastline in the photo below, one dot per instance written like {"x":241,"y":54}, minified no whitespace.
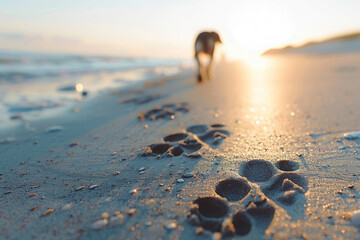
{"x":275,"y":113}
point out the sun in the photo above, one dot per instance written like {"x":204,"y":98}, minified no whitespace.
{"x":258,"y":26}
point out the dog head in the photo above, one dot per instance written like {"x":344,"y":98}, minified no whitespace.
{"x":216,"y":37}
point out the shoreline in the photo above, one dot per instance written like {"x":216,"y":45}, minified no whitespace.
{"x":259,"y":151}
{"x":73,"y":99}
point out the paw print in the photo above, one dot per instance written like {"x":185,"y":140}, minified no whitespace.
{"x":189,"y":141}
{"x":166,"y":111}
{"x":282,"y":185}
{"x":213,"y":136}
{"x":245,"y":205}
{"x":230,"y":213}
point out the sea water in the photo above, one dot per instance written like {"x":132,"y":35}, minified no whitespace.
{"x":34,"y":85}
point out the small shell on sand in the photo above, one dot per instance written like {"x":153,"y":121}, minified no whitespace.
{"x":141,"y":169}
{"x":67,"y":207}
{"x":47,"y":212}
{"x":93,"y":186}
{"x":105,"y":215}
{"x":116,"y":173}
{"x":32,"y":194}
{"x":188,"y":175}
{"x":74,"y":144}
{"x":117,"y":219}
{"x":352,"y":135}
{"x":134,"y":191}
{"x":79,"y":188}
{"x":55,"y":128}
{"x":171,"y":225}
{"x":180,"y":180}
{"x":131,"y":211}
{"x":99,"y":224}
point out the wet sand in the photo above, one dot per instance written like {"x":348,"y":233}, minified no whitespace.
{"x":257,"y":152}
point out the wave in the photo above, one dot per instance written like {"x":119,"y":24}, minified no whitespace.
{"x":16,"y":66}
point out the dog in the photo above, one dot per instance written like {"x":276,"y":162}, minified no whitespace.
{"x":205,"y":43}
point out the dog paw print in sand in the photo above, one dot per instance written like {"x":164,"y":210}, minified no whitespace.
{"x":189,"y":141}
{"x":234,"y":211}
{"x":213,"y":135}
{"x":166,"y":111}
{"x":246,"y":205}
{"x":280,"y":184}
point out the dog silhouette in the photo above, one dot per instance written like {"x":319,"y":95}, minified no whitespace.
{"x":205,"y":43}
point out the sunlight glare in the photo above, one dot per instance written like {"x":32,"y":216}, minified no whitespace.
{"x":258,"y":26}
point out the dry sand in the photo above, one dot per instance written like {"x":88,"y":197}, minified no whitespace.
{"x":258,"y":152}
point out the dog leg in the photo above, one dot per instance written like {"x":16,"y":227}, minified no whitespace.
{"x":209,"y":68}
{"x":199,"y":75}
{"x":199,"y":48}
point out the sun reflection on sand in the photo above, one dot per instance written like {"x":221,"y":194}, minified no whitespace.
{"x":261,"y":92}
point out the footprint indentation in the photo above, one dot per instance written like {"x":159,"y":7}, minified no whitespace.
{"x":212,"y":207}
{"x":287,"y":165}
{"x":159,"y":148}
{"x":233,"y":189}
{"x":166,"y":111}
{"x":260,"y":207}
{"x":215,"y":137}
{"x":258,"y":170}
{"x":197,"y":129}
{"x":289,"y":181}
{"x":175,"y":137}
{"x":241,"y":223}
{"x":287,"y":188}
{"x":175,"y":151}
{"x":214,"y":134}
{"x":191,"y":144}
{"x":217,"y":125}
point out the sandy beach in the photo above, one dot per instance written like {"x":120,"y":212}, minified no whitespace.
{"x":258,"y":152}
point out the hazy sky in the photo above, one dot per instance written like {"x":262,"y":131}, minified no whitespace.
{"x":167,"y":28}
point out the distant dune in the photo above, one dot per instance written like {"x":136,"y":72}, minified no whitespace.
{"x":347,"y":43}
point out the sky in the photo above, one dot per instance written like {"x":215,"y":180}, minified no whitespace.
{"x":168,"y":28}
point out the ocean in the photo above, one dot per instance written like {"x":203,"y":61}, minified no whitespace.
{"x":34,"y":85}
